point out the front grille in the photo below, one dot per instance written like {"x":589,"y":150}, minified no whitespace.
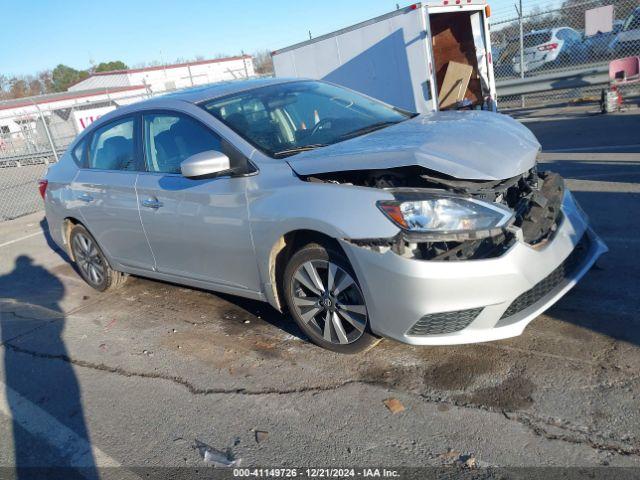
{"x":551,"y":281}
{"x":441,"y":323}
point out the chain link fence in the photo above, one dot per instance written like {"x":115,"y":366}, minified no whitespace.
{"x":559,"y":39}
{"x":33,"y":138}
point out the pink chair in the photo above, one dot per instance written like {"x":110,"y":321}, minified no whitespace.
{"x":624,"y":70}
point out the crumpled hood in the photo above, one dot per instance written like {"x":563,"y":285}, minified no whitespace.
{"x":470,"y":145}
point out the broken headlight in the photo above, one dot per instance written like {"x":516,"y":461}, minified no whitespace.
{"x":444,"y":214}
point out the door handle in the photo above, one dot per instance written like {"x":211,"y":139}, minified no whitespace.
{"x":152,"y":203}
{"x":85,"y":197}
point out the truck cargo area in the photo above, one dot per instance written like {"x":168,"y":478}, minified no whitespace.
{"x":459,"y":50}
{"x":426,"y":57}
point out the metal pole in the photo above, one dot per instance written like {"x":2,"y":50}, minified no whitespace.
{"x":46,"y":129}
{"x":244,"y":63}
{"x":190,"y":75}
{"x":521,"y":23}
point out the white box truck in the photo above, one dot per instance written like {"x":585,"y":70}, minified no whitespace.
{"x":403,"y":57}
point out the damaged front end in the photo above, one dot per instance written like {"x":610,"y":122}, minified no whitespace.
{"x":532,"y":199}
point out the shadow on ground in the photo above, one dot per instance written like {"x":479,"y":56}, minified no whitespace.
{"x":40,"y":393}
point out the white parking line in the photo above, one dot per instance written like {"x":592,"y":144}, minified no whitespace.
{"x":542,"y":119}
{"x":42,"y":425}
{"x":10,"y":242}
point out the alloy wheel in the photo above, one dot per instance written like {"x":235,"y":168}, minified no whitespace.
{"x":88,"y":258}
{"x":328,"y":299}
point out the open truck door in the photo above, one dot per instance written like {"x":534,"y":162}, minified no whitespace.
{"x":460,"y":41}
{"x":406,"y":57}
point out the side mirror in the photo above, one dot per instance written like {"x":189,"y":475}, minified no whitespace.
{"x":201,"y":164}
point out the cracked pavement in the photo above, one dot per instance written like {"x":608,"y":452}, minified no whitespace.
{"x":145,"y":372}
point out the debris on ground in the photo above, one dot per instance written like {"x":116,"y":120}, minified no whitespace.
{"x":230,"y":315}
{"x":454,"y":457}
{"x":216,"y":457}
{"x":467,"y":461}
{"x":394,"y":405}
{"x":261,"y":436}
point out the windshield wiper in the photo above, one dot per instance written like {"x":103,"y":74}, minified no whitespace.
{"x":367,"y":129}
{"x":301,"y":148}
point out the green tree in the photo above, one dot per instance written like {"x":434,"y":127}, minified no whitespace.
{"x":109,"y":66}
{"x":63,"y":76}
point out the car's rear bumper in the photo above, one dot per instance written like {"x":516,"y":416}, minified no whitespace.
{"x":474,"y":301}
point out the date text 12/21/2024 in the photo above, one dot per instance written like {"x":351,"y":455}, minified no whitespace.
{"x":315,"y":473}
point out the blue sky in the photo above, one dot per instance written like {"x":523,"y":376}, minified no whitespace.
{"x":39,"y":34}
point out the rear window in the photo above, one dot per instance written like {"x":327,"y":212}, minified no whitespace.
{"x":535,"y":39}
{"x":112,"y":146}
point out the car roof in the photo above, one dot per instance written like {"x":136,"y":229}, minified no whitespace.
{"x":215,"y":90}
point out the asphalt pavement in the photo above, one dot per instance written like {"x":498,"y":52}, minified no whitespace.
{"x":155,"y":374}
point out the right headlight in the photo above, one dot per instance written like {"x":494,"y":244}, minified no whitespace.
{"x":445,"y":214}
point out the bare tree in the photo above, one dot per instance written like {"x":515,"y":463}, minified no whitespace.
{"x":263,"y":62}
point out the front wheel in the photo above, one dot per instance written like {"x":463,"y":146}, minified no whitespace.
{"x":325,"y":300}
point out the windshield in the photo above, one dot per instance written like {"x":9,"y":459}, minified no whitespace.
{"x":289,"y":118}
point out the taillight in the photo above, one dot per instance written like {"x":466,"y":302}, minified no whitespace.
{"x":42,"y":186}
{"x":487,"y":11}
{"x":548,"y":47}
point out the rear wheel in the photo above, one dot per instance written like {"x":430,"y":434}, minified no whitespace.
{"x":325,"y":300}
{"x":91,"y":262}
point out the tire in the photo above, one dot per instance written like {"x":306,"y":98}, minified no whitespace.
{"x":91,"y":262}
{"x":319,"y":284}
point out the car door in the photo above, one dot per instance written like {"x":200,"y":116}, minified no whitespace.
{"x":197,"y":228}
{"x":104,"y":189}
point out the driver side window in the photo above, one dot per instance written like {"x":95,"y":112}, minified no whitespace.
{"x":171,"y":138}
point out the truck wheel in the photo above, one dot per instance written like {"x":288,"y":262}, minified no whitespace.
{"x":325,"y":300}
{"x":91,"y":262}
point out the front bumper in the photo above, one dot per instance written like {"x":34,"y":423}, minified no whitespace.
{"x":494,"y":294}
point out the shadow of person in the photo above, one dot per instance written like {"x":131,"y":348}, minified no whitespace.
{"x":42,"y":393}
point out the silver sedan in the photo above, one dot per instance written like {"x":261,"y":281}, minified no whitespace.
{"x":359,"y":219}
